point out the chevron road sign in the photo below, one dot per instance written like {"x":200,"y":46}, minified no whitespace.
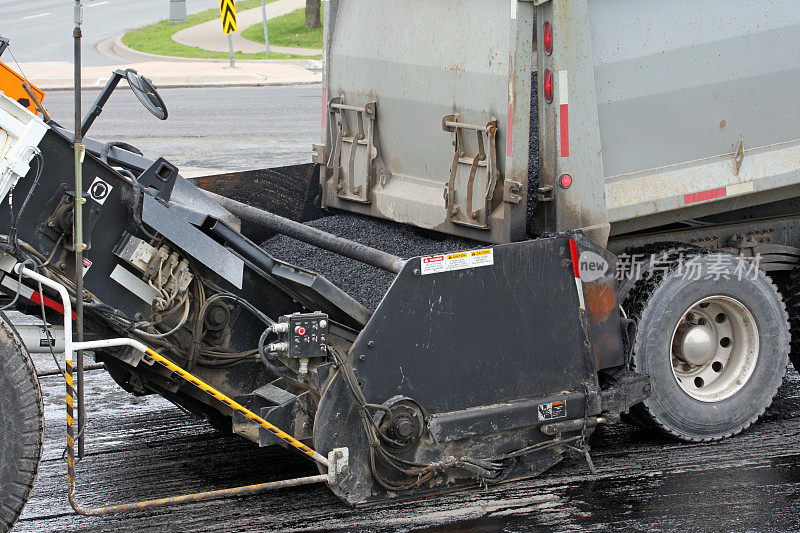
{"x":228,"y":10}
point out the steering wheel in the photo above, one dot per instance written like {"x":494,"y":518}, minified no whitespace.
{"x":147,"y":94}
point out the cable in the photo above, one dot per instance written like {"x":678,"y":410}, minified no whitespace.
{"x":174,"y":330}
{"x":28,"y":262}
{"x":12,"y":235}
{"x":50,"y":338}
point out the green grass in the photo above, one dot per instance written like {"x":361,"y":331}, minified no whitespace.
{"x":287,"y":30}
{"x":157,"y":38}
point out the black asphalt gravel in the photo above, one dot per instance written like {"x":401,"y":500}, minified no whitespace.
{"x":365,"y":283}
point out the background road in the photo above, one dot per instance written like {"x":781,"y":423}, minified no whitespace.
{"x":210,"y":130}
{"x":41,"y":30}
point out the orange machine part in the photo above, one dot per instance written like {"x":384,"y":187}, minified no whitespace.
{"x":11,"y":86}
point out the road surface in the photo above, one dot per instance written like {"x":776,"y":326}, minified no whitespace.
{"x":41,"y":30}
{"x":140,"y":448}
{"x":210,"y":130}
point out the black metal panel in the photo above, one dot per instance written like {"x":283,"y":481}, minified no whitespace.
{"x":479,"y":336}
{"x":159,"y":178}
{"x":459,"y":425}
{"x":192,"y":241}
{"x":108,"y":220}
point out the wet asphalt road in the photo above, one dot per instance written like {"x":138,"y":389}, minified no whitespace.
{"x":142,"y":448}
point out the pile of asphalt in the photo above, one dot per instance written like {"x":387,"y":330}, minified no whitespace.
{"x":365,"y":283}
{"x":533,"y":159}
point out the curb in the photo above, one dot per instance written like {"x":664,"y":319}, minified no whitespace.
{"x":122,"y":50}
{"x":307,"y":72}
{"x":188,"y":85}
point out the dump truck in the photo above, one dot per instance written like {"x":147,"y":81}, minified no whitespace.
{"x":599,"y":207}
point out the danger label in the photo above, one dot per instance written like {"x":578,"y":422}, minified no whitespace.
{"x":86,"y":265}
{"x":457,"y":261}
{"x":552,"y":411}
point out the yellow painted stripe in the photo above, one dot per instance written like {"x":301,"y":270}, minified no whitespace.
{"x":237,"y":407}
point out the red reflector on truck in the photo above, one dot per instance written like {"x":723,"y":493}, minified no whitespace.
{"x":565,"y":181}
{"x":702,"y":196}
{"x":573,"y":250}
{"x":548,"y":38}
{"x":563,"y":111}
{"x":547,"y":85}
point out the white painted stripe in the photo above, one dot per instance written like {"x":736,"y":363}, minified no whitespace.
{"x":36,"y":16}
{"x":96,"y":4}
{"x":739,"y":188}
{"x":514,"y":9}
{"x":579,"y":285}
{"x":563,"y":87}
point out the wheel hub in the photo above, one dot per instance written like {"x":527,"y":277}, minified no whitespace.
{"x":696,"y":344}
{"x":714,"y":348}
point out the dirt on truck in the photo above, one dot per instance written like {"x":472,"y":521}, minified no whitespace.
{"x":524,"y":220}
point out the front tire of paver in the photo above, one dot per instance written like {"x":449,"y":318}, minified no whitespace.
{"x":713,"y":335}
{"x":23,"y":425}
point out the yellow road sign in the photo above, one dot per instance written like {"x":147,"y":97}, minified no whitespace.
{"x":228,"y":10}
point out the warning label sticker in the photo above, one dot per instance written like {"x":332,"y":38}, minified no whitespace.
{"x":552,"y":411}
{"x":100,"y":190}
{"x":86,"y":265}
{"x":457,"y":261}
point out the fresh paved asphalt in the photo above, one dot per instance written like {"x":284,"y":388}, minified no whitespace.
{"x":41,"y":30}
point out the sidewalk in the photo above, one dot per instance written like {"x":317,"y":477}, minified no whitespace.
{"x":50,"y":76}
{"x":208,"y":35}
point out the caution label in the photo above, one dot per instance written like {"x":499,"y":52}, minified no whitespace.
{"x":552,"y":411}
{"x":457,"y":261}
{"x":227,"y":9}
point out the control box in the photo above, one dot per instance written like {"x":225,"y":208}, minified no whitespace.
{"x":306,"y":335}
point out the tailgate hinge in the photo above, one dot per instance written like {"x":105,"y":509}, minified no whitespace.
{"x":353,"y":149}
{"x":481,"y":167}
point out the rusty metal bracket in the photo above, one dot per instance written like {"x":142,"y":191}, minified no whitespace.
{"x":353,"y":153}
{"x":482,"y":166}
{"x":739,"y":157}
{"x":512,"y":191}
{"x":544,"y":194}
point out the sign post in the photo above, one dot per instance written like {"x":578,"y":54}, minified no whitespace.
{"x":227,"y":9}
{"x":266,"y":31}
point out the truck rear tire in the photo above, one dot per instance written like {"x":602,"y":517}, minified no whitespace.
{"x":23,"y":425}
{"x":793,"y":306}
{"x":713,"y":335}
